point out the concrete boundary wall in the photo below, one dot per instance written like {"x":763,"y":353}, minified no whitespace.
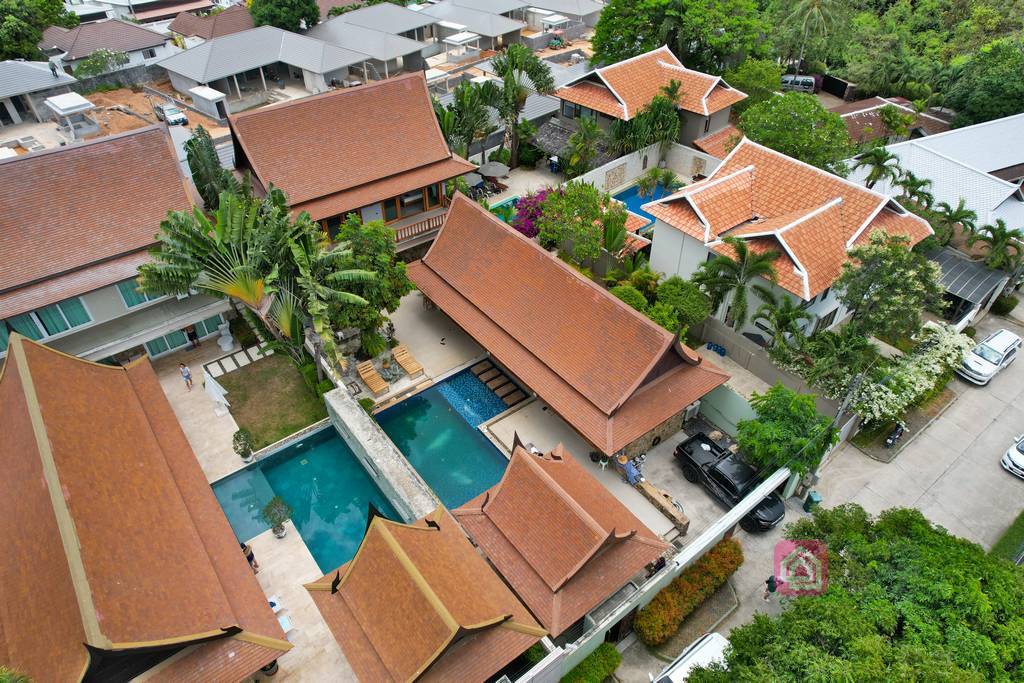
{"x":622,"y":172}
{"x":385,"y":464}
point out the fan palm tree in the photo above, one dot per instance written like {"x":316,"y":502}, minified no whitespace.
{"x":815,"y":17}
{"x":582,"y":148}
{"x":915,"y":189}
{"x":945,"y":219}
{"x":1002,"y":244}
{"x":784,"y":317}
{"x":522,"y":72}
{"x":882,"y":165}
{"x":725,"y":275}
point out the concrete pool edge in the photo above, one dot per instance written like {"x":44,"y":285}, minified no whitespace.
{"x":271,"y":449}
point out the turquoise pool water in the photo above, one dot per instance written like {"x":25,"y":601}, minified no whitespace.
{"x":436,"y":430}
{"x":633,"y":201}
{"x":328,"y":489}
{"x":511,"y":202}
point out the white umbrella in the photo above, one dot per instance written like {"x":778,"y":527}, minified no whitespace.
{"x":473,"y":179}
{"x":494,"y":169}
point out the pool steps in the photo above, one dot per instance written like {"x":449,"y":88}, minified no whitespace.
{"x":498,"y":382}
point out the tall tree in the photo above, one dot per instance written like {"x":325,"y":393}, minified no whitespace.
{"x":989,"y":85}
{"x":711,"y":35}
{"x":733,"y":275}
{"x":816,"y":18}
{"x":896,"y":120}
{"x":758,"y":78}
{"x":522,"y":72}
{"x":1002,"y":245}
{"x":946,"y":219}
{"x":789,"y":431}
{"x":209,"y":177}
{"x":290,"y":15}
{"x":881,"y":164}
{"x":783,"y":317}
{"x":914,"y":189}
{"x":657,"y":123}
{"x":798,"y":126}
{"x":22,"y":23}
{"x":583,"y":147}
{"x":886,"y":285}
{"x":467,"y":120}
{"x":626,"y":29}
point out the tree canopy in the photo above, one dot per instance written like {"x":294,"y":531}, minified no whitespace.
{"x":290,"y":15}
{"x":575,"y":218}
{"x":22,"y":23}
{"x":789,"y":431}
{"x":798,"y":126}
{"x":759,"y":78}
{"x":990,"y":85}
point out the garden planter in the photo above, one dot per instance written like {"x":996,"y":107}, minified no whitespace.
{"x":269,"y":669}
{"x":280,"y":531}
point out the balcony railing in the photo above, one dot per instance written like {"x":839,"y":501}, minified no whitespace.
{"x":431,"y":222}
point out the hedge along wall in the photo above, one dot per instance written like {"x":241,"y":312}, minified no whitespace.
{"x":661,"y":617}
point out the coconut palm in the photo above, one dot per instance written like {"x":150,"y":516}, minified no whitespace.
{"x":783,"y":317}
{"x":647,"y":185}
{"x":815,"y":17}
{"x":582,"y":148}
{"x":725,"y":275}
{"x":1002,"y":244}
{"x":839,"y":354}
{"x":473,"y":112}
{"x":522,"y":72}
{"x":945,"y":218}
{"x":915,"y":189}
{"x":882,"y":165}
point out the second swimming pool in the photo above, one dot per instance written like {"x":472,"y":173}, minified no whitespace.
{"x":633,"y":201}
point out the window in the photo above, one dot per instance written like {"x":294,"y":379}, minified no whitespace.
{"x":824,"y":295}
{"x":807,"y":304}
{"x":46,"y":322}
{"x":570,"y":110}
{"x":707,"y":124}
{"x":433,"y":195}
{"x":390,"y":207}
{"x":148,"y":54}
{"x":412,"y":203}
{"x":827,"y":321}
{"x":132,"y":295}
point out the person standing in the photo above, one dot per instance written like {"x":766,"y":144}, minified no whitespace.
{"x":770,"y":586}
{"x":193,"y":336}
{"x":250,"y":556}
{"x":186,"y":375}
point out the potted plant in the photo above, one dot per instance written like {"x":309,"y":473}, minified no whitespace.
{"x":242,"y":443}
{"x":276,"y":513}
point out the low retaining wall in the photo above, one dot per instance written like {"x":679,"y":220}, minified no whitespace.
{"x":385,"y":464}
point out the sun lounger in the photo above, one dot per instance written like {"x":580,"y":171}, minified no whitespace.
{"x":405,"y":359}
{"x":372,"y":378}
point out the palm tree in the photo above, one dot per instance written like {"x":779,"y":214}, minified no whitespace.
{"x":583,"y":147}
{"x":724,"y":275}
{"x":522,"y":72}
{"x":1002,"y":244}
{"x":839,"y":354}
{"x":882,"y":165}
{"x":945,"y":219}
{"x":473,"y":112}
{"x":783,"y":316}
{"x":814,"y":17}
{"x":915,"y":189}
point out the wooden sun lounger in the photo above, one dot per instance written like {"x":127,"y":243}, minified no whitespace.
{"x":405,"y":359}
{"x":372,"y":378}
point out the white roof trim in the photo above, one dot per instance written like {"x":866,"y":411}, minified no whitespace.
{"x":799,"y":267}
{"x":694,"y":189}
{"x":801,"y":219}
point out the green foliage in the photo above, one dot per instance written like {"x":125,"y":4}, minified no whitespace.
{"x":598,"y":665}
{"x":788,"y":432}
{"x":664,"y":315}
{"x":324,"y":386}
{"x":1004,"y":304}
{"x":660,"y":619}
{"x":614,"y":238}
{"x":970,"y":331}
{"x":535,"y":654}
{"x":242,"y":443}
{"x":759,"y":78}
{"x":897,"y":121}
{"x":100,"y":62}
{"x":500,"y":155}
{"x":575,"y":217}
{"x":945,"y":219}
{"x":1002,"y":245}
{"x":582,"y":148}
{"x":290,"y":15}
{"x":209,"y":177}
{"x":308,"y":372}
{"x":631,"y":296}
{"x":372,"y":343}
{"x":798,"y":126}
{"x":784,"y":317}
{"x":906,"y":601}
{"x":22,"y":23}
{"x":691,"y":305}
{"x":8,"y":675}
{"x":337,"y":11}
{"x":522,"y":73}
{"x":276,"y":512}
{"x":367,"y":404}
{"x":1011,"y":543}
{"x":243,"y":334}
{"x":658,"y":122}
{"x":530,"y":154}
{"x":887,"y":286}
{"x":467,"y":119}
{"x":725,"y":276}
{"x":990,"y":85}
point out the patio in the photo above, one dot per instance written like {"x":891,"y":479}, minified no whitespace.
{"x":524,"y":180}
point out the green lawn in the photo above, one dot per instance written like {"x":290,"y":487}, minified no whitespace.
{"x":270,"y":399}
{"x":1012,"y":540}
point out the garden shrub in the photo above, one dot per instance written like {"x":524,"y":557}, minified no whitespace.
{"x":529,"y":155}
{"x":1004,"y":304}
{"x":324,"y":386}
{"x":664,"y":315}
{"x":598,"y":665}
{"x":661,"y":617}
{"x":503,"y":156}
{"x":692,"y":305}
{"x":242,"y":333}
{"x":631,"y":296}
{"x":535,"y":653}
{"x":529,"y":209}
{"x":970,"y":331}
{"x":308,"y":372}
{"x":367,"y":405}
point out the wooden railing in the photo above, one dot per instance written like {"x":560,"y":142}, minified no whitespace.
{"x":413,"y":230}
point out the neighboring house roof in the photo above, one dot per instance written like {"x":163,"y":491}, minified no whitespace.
{"x":167,"y":11}
{"x":377,"y":44}
{"x":417,"y":602}
{"x":964,"y":277}
{"x":18,"y":77}
{"x":389,"y":18}
{"x":114,"y":191}
{"x":623,"y":89}
{"x":493,"y":6}
{"x":606,"y":369}
{"x":864,"y":121}
{"x":536,"y":107}
{"x":561,"y":540}
{"x":327,"y":5}
{"x":245,"y":50}
{"x":108,"y":34}
{"x":339,"y":151}
{"x":806,"y":215}
{"x":575,"y":8}
{"x":232,"y":20}
{"x":480,"y":22}
{"x":719,"y":143}
{"x":114,"y":543}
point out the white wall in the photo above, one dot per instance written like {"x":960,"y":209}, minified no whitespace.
{"x":679,"y":158}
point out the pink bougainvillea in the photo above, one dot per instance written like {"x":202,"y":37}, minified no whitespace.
{"x":528,"y":211}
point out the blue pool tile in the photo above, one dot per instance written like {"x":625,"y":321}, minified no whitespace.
{"x":633,"y":201}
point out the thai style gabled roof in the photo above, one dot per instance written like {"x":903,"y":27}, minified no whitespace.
{"x":418,"y":602}
{"x":561,"y":539}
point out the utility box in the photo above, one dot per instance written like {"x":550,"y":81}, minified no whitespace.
{"x":812,"y":501}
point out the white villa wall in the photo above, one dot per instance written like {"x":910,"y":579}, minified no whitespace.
{"x":620,"y":173}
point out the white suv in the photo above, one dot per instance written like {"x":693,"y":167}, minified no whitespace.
{"x":1013,"y":459}
{"x":994,"y":353}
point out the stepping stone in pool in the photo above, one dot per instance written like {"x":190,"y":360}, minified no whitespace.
{"x":499,"y":381}
{"x":489,"y":375}
{"x":481,"y":367}
{"x":514,"y":398}
{"x":505,"y":389}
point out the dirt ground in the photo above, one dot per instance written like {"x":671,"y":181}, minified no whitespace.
{"x":140,"y":105}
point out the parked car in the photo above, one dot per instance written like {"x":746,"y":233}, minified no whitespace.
{"x":171,"y":114}
{"x":728,"y":479}
{"x":707,"y":649}
{"x":985,"y":360}
{"x":792,"y":83}
{"x":1013,"y":459}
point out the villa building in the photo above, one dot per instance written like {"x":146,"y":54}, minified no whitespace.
{"x":195,"y":28}
{"x":809,"y":217}
{"x":78,"y":223}
{"x":374,"y":150}
{"x":560,"y":539}
{"x":621,"y":381}
{"x":118,"y":563}
{"x":69,"y":46}
{"x":418,"y":602}
{"x":24,"y":86}
{"x":865,"y":125}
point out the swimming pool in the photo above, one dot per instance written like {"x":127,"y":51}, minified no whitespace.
{"x":326,"y":486}
{"x":437,"y":431}
{"x":633,"y":201}
{"x":506,"y":215}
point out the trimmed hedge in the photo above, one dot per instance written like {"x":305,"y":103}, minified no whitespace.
{"x":1004,"y":304}
{"x":661,"y":617}
{"x":599,"y":665}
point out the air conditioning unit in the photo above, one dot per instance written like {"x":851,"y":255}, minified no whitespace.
{"x":691,"y":411}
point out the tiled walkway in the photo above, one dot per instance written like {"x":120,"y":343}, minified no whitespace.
{"x":236,"y":360}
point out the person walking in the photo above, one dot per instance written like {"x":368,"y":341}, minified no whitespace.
{"x":250,"y":556}
{"x":186,"y":375}
{"x":770,"y":586}
{"x":193,"y":336}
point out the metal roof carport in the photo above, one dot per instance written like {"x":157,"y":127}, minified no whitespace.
{"x":964,"y":278}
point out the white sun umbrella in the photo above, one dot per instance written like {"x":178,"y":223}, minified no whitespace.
{"x":473,"y":179}
{"x":494,"y":169}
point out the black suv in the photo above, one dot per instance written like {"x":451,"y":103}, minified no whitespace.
{"x":726,"y":477}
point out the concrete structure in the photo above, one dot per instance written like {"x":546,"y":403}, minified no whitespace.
{"x":70,"y":110}
{"x":23,"y":86}
{"x":494,"y":30}
{"x":389,"y":54}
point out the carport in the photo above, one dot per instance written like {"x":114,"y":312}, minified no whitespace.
{"x":969,"y":284}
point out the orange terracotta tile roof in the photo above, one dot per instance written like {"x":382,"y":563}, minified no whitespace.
{"x":232,"y":20}
{"x":606,"y":369}
{"x":864,"y":122}
{"x":719,"y":143}
{"x":76,"y":207}
{"x":561,"y":540}
{"x":417,"y":602}
{"x":623,"y":89}
{"x":342,"y":141}
{"x":808,"y":216}
{"x":113,"y":538}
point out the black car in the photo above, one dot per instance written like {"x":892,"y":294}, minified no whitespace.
{"x":726,"y":477}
